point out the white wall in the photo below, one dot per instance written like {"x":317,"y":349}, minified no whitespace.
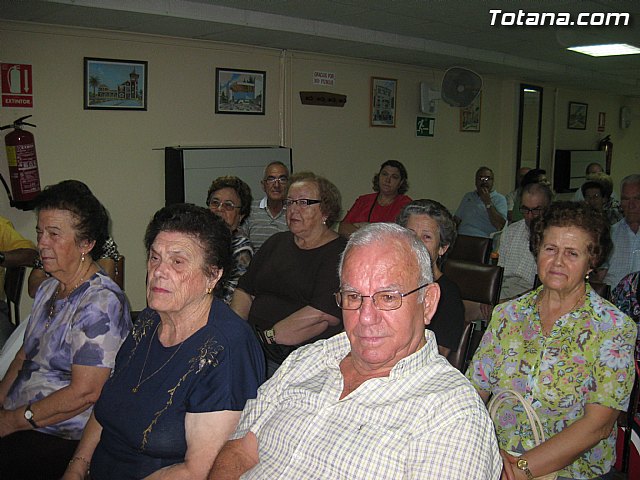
{"x":118,"y":153}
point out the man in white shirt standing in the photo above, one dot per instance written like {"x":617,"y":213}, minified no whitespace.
{"x":516,"y":258}
{"x":625,"y":257}
{"x":268,"y":214}
{"x":376,"y":401}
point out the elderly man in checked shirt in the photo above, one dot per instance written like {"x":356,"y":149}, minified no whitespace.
{"x":374,"y":402}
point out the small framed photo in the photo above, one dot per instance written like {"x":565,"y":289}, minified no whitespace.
{"x":577,"y":117}
{"x":470,"y":115}
{"x":383,"y":102}
{"x":115,"y":84}
{"x":240,"y":91}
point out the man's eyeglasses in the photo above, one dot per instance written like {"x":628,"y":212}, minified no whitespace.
{"x":301,"y":202}
{"x":531,"y":211}
{"x":227,"y":205}
{"x":384,"y":300}
{"x":485,"y":179}
{"x":280,"y":179}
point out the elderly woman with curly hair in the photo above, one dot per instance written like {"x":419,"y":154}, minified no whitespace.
{"x":568,"y":352}
{"x":287,"y":292}
{"x":230,"y":198}
{"x":389,"y":184}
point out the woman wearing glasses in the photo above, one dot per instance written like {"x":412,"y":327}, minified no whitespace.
{"x":287,"y":291}
{"x":230,"y":199}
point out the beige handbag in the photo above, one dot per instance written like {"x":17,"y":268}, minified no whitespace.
{"x":536,"y":425}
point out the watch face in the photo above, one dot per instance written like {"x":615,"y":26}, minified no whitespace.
{"x":28,"y":414}
{"x":522,"y":464}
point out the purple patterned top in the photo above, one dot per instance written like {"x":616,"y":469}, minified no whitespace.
{"x":87,"y":328}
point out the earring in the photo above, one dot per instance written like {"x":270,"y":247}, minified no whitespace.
{"x":209,"y":290}
{"x":586,"y":277}
{"x":82,"y":259}
{"x":324,"y":221}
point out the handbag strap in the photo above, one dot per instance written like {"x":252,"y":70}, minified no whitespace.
{"x":532,"y":417}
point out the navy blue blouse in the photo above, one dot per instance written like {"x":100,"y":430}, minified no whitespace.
{"x":218,"y":368}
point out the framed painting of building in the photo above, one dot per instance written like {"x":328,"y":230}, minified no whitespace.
{"x":115,"y":84}
{"x":240,"y":91}
{"x":383,"y":102}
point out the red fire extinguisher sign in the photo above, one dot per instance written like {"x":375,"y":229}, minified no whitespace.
{"x":17,"y":85}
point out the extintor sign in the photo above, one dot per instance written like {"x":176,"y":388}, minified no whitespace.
{"x":17,"y":85}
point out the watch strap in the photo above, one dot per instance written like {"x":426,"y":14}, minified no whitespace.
{"x":28,"y":415}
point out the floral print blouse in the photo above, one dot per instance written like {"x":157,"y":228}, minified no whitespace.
{"x":587,"y":358}
{"x":626,"y":296}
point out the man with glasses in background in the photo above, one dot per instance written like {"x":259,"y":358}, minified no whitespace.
{"x":516,"y":258}
{"x":268,"y":215}
{"x":483,"y":211}
{"x":376,"y":401}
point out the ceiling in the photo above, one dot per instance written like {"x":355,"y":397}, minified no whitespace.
{"x":430,"y":33}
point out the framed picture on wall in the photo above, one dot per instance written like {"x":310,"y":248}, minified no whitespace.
{"x":383,"y":102}
{"x":470,"y":115}
{"x":577,"y":117}
{"x":115,"y":84}
{"x":240,"y":91}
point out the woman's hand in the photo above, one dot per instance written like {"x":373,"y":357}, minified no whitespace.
{"x":508,"y":466}
{"x":8,"y":422}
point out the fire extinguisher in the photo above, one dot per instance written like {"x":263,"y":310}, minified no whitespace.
{"x":23,"y":165}
{"x":607,"y":145}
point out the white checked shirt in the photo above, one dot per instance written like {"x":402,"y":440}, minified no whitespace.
{"x":423,"y":421}
{"x":625,"y":257}
{"x":519,"y":264}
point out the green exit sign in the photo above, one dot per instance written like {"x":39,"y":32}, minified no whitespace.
{"x":425,"y":126}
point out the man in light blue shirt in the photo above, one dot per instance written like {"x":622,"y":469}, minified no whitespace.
{"x":483,"y":211}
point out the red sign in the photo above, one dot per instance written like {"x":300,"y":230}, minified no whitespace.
{"x":17,"y":85}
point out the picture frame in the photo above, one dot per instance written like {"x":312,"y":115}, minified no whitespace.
{"x":240,"y":92}
{"x":470,"y":115}
{"x":111,"y":84}
{"x":383,"y":102}
{"x":577,"y":116}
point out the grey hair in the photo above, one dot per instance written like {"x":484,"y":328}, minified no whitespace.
{"x":539,"y":188}
{"x":630,"y":179}
{"x":384,"y":233}
{"x":276,"y":162}
{"x":446,"y":225}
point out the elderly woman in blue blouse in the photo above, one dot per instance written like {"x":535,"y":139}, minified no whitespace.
{"x":230,"y":198}
{"x":568,"y":351}
{"x":79,"y":319}
{"x":183,"y":375}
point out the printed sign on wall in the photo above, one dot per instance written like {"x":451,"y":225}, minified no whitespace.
{"x":17,"y":85}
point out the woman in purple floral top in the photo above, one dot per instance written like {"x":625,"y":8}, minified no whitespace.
{"x":568,"y":351}
{"x":79,"y":319}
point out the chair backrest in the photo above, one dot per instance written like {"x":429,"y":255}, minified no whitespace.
{"x":477,"y":282}
{"x":119,"y":276}
{"x":13,"y":280}
{"x":458,"y":357}
{"x":471,"y":249}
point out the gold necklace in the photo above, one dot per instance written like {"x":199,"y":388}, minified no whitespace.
{"x":140,"y":380}
{"x":54,"y":298}
{"x":539,"y":305}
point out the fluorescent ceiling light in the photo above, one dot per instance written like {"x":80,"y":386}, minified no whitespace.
{"x":607,"y":50}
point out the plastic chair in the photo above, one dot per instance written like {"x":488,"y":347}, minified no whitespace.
{"x":471,"y":249}
{"x":13,"y":280}
{"x":477,"y":283}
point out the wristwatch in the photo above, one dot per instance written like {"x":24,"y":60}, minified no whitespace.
{"x":523,"y":465}
{"x":270,"y":335}
{"x":28,"y":415}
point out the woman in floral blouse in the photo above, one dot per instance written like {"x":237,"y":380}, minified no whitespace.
{"x":568,"y":351}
